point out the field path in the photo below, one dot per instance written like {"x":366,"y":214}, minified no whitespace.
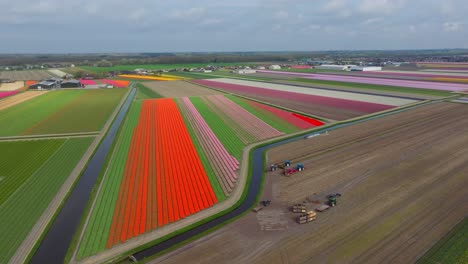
{"x":41,"y":225}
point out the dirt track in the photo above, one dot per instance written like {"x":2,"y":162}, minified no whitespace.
{"x":404,"y":185}
{"x":19,"y":98}
{"x":174,"y":89}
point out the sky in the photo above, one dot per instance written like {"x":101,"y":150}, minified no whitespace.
{"x":95,"y":26}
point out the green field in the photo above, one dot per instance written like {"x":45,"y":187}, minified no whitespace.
{"x":156,"y":66}
{"x":64,"y":111}
{"x":223,"y":131}
{"x":453,"y":248}
{"x":98,"y":228}
{"x":144,"y":92}
{"x":31,"y":173}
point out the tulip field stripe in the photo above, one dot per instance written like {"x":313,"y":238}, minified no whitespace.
{"x":182,"y":186}
{"x":99,"y":231}
{"x":223,"y":132}
{"x":20,"y":212}
{"x":212,"y":157}
{"x":284,"y":115}
{"x":312,"y":121}
{"x":6,"y":94}
{"x":269,"y":117}
{"x":239,"y":132}
{"x":325,"y":93}
{"x":202,"y":152}
{"x":390,"y":82}
{"x":243,"y":134}
{"x":298,"y":97}
{"x":252,"y":124}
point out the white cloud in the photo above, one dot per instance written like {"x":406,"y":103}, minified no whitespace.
{"x":371,"y":21}
{"x":281,"y":15}
{"x":192,"y":13}
{"x":381,"y":6}
{"x":452,"y":26}
{"x":211,"y":22}
{"x":335,"y":5}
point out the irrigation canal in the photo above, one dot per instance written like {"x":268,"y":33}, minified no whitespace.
{"x":57,"y":241}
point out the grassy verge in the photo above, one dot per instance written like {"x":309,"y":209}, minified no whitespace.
{"x":452,"y":248}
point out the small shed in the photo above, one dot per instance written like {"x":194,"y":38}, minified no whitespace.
{"x":44,"y":85}
{"x":71,"y":84}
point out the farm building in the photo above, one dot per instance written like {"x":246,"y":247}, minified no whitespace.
{"x":71,"y":84}
{"x":54,"y":80}
{"x":366,"y":68}
{"x":334,"y":67}
{"x":44,"y":85}
{"x":275,"y":67}
{"x":244,"y":71}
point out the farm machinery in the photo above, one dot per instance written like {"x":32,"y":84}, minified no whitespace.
{"x":288,"y":169}
{"x":332,"y":199}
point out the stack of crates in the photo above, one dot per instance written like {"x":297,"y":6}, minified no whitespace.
{"x":306,"y":218}
{"x":299,"y":208}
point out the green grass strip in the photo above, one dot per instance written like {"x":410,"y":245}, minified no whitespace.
{"x":24,"y":207}
{"x":97,"y":231}
{"x":225,"y":134}
{"x":452,"y":248}
{"x":268,"y":117}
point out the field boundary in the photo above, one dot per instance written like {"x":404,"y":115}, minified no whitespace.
{"x":54,"y":136}
{"x":33,"y":238}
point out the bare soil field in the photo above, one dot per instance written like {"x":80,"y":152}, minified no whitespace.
{"x":403,"y":184}
{"x":19,"y":98}
{"x":26,"y":75}
{"x":174,"y":89}
{"x":4,"y":87}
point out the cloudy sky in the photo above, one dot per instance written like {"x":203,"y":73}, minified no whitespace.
{"x":58,"y":26}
